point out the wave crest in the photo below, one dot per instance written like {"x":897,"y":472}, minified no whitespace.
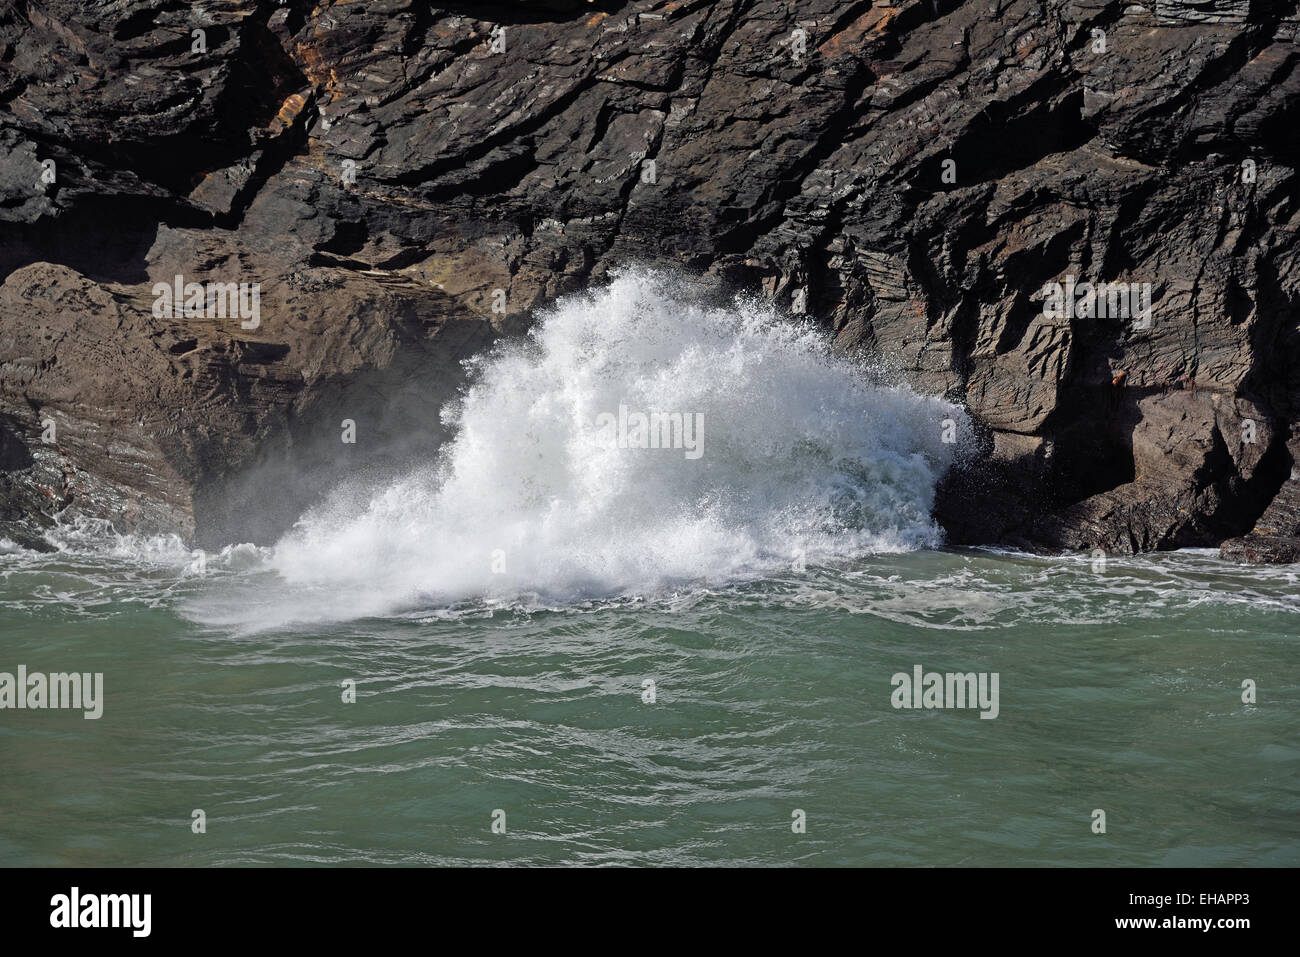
{"x":801,"y":458}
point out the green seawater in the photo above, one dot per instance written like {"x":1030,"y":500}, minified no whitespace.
{"x":1120,"y":689}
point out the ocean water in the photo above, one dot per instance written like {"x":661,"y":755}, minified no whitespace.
{"x":566,"y":649}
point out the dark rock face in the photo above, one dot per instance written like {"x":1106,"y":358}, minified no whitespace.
{"x":916,"y":174}
{"x":1276,"y":536}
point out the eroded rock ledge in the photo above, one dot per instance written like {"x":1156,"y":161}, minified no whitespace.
{"x":383,"y":168}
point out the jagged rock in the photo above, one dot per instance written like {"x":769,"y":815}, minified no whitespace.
{"x":1262,"y":549}
{"x":1202,"y":11}
{"x":1276,"y":536}
{"x":198,"y":427}
{"x":916,"y":173}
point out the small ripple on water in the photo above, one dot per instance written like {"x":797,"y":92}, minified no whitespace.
{"x":1120,"y":689}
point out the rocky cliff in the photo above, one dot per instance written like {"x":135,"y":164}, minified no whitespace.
{"x":404,"y":182}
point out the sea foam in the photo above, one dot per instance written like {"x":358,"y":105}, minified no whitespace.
{"x":804,"y":459}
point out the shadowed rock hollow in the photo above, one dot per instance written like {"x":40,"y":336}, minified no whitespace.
{"x":913,"y":174}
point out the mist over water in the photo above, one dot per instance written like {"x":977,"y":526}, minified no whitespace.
{"x":799,"y":456}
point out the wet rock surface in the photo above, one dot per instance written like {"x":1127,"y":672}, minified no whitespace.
{"x":913,"y":175}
